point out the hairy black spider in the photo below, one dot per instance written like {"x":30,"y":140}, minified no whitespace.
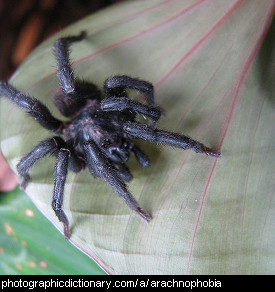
{"x":99,"y":133}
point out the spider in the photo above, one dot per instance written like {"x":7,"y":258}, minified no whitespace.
{"x":99,"y":133}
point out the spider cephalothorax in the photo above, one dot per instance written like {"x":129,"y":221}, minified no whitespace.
{"x":99,"y":133}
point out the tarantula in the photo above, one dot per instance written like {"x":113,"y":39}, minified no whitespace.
{"x":99,"y":133}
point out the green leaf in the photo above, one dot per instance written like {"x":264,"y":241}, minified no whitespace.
{"x":210,"y":216}
{"x":29,"y":244}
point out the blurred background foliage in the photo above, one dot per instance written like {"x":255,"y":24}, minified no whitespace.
{"x":26,"y":23}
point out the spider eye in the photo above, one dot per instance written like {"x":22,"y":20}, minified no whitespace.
{"x":106,"y":143}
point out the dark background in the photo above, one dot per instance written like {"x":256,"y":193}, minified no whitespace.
{"x":26,"y":23}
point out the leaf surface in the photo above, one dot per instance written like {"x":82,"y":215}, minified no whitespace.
{"x":210,"y":216}
{"x":30,"y":245}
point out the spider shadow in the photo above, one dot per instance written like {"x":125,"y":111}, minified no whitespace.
{"x":265,"y":57}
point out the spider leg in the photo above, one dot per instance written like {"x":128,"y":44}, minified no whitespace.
{"x":116,"y":86}
{"x":140,"y":131}
{"x":40,"y":151}
{"x":124,"y":172}
{"x":36,"y":109}
{"x":75,"y":164}
{"x":76,"y":161}
{"x":141,"y":157}
{"x":95,"y":158}
{"x":61,"y":169}
{"x":65,"y":72}
{"x":75,"y":88}
{"x":123,"y":103}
